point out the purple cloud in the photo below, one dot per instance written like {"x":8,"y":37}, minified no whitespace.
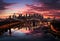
{"x":3,"y":4}
{"x":51,"y":4}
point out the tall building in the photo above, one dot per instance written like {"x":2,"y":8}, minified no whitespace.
{"x":26,"y":15}
{"x":20,"y":15}
{"x":10,"y":17}
{"x":14,"y":16}
{"x":30,"y":15}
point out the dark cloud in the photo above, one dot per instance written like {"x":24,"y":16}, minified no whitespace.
{"x":47,"y":5}
{"x":32,"y":7}
{"x":3,"y":4}
{"x":51,"y":4}
{"x":47,"y":1}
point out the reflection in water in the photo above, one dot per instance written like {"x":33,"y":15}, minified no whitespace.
{"x":40,"y":32}
{"x":34,"y":32}
{"x":24,"y":30}
{"x":23,"y":33}
{"x":18,"y":32}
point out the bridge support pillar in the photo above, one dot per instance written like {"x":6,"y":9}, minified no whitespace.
{"x":10,"y":31}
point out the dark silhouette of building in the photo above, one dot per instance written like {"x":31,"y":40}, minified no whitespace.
{"x":14,"y":16}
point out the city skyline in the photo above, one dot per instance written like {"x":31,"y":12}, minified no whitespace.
{"x":9,"y":7}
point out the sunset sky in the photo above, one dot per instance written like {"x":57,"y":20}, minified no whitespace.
{"x":45,"y":7}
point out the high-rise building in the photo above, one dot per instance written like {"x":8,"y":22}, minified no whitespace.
{"x":14,"y":16}
{"x":20,"y":15}
{"x":26,"y":15}
{"x":10,"y":17}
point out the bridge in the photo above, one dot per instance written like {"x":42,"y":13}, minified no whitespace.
{"x":17,"y":23}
